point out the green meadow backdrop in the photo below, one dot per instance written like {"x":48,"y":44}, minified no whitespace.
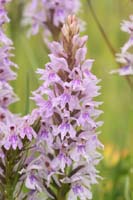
{"x":117,"y":131}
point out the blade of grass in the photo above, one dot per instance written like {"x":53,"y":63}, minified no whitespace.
{"x":27,"y":89}
{"x":127,"y":189}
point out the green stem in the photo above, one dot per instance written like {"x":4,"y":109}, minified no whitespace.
{"x":60,"y":195}
{"x":62,"y":192}
{"x":10,"y":176}
{"x":9,"y":183}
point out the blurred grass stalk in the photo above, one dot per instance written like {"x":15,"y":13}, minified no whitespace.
{"x":27,"y":103}
{"x":101,"y":29}
{"x":127,"y":192}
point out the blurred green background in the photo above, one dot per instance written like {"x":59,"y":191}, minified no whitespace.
{"x":117,"y":131}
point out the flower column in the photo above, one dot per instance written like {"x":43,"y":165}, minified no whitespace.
{"x":7,"y":97}
{"x":67,"y":141}
{"x":13,"y":129}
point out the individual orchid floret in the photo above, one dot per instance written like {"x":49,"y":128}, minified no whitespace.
{"x":7,"y":96}
{"x":125,"y":58}
{"x":66,"y":149}
{"x":49,"y":14}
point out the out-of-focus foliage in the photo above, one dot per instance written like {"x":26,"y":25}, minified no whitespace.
{"x":117,"y":132}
